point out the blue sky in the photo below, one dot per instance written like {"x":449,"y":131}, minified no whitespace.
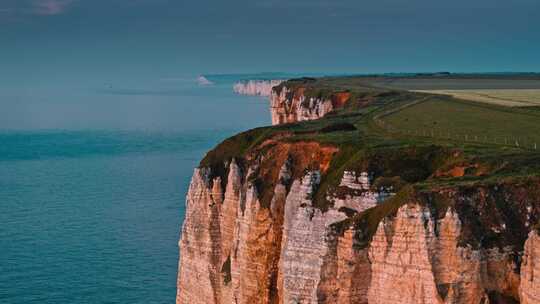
{"x":87,"y":42}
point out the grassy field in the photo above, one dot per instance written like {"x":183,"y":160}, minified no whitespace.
{"x":454,"y":120}
{"x":504,"y":97}
{"x":459,"y":82}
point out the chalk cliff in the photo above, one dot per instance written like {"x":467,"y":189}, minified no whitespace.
{"x":274,"y":218}
{"x":289,"y":105}
{"x":236,"y":249}
{"x":256,"y":87}
{"x":529,"y":289}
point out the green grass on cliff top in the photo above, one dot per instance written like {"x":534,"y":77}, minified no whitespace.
{"x":394,"y":117}
{"x":447,"y":119}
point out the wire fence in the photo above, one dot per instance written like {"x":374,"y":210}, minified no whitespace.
{"x":469,"y":137}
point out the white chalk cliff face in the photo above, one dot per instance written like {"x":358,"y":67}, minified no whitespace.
{"x":256,"y":87}
{"x":311,"y":250}
{"x":235,"y":250}
{"x":530,"y":270}
{"x":288,"y":106}
{"x":414,"y":263}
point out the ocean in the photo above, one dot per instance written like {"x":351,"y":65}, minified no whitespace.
{"x":93,"y":185}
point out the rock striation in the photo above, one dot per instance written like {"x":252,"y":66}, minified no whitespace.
{"x":236,"y":250}
{"x":411,"y":263}
{"x":233,"y":250}
{"x":530,"y":270}
{"x":256,"y":87}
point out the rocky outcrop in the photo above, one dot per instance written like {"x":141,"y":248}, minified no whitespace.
{"x":305,"y":243}
{"x":416,"y":259}
{"x":292,"y":105}
{"x":256,"y":87}
{"x":529,"y":289}
{"x":317,"y":265}
{"x":201,"y":246}
{"x":233,"y":250}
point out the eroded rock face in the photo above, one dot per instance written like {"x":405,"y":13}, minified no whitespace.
{"x":529,"y":289}
{"x":287,"y":106}
{"x":411,"y":263}
{"x":401,"y":266}
{"x":235,"y":249}
{"x":253,"y":247}
{"x":305,"y":242}
{"x":201,"y":247}
{"x":418,"y":259}
{"x":346,"y":272}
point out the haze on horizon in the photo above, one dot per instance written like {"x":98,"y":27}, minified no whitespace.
{"x":83,"y":43}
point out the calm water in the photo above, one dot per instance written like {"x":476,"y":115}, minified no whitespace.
{"x":91,"y":202}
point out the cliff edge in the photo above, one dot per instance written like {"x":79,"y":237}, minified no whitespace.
{"x":331,"y":205}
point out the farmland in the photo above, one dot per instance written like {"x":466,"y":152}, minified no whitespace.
{"x":503,"y":97}
{"x":455,"y":120}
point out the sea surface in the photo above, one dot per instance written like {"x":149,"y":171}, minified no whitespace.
{"x":93,"y":181}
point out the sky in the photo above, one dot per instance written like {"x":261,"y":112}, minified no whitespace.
{"x":55,"y":43}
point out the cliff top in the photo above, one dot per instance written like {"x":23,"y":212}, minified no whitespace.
{"x":383,"y":112}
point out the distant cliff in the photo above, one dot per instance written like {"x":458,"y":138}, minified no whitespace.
{"x":332,"y":211}
{"x":256,"y":87}
{"x":291,"y":104}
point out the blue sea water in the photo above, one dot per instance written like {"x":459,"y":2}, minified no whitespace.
{"x":92,"y":187}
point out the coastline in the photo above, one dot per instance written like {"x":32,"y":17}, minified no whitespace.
{"x":328,"y":205}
